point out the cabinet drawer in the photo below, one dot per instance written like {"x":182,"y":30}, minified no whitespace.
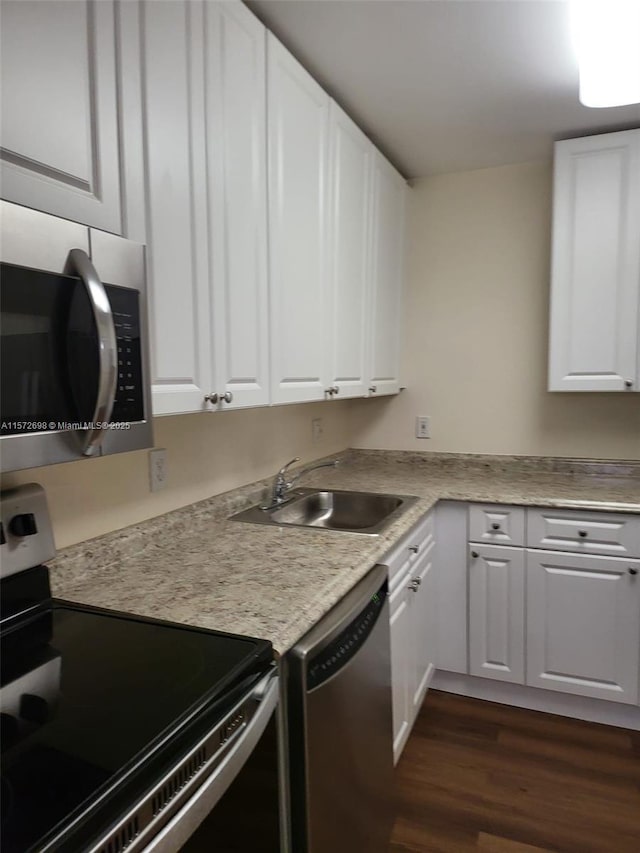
{"x":584,"y":532}
{"x":496,"y":524}
{"x":410,"y":548}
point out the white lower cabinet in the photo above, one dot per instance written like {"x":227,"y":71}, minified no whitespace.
{"x":423,"y":611}
{"x":583,"y":625}
{"x":536,"y":617}
{"x":412,"y":605}
{"x":400,"y":624}
{"x":496,"y":612}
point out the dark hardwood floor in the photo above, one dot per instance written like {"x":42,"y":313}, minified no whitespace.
{"x":477,"y":776}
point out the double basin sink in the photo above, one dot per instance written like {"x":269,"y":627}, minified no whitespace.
{"x":350,"y":512}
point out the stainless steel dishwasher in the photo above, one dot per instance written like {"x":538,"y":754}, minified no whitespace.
{"x":340,"y":727}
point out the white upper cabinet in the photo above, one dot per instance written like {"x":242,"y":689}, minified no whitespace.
{"x":176,"y":204}
{"x":235,"y":90}
{"x":298,"y":122}
{"x":595,"y":292}
{"x":349,"y":263}
{"x":387,"y":249}
{"x":206,"y":217}
{"x":59,"y":139}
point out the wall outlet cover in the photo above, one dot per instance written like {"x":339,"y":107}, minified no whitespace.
{"x":157,"y":469}
{"x":423,"y":426}
{"x":317,"y":429}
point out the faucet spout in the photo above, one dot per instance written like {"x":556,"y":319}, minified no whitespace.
{"x":281,"y":486}
{"x":332,"y":463}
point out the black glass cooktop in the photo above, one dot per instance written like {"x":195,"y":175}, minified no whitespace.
{"x":94,"y":703}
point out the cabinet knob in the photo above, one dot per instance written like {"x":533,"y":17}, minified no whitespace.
{"x":628,"y":383}
{"x":227,"y":397}
{"x":633,"y":571}
{"x":413,"y":586}
{"x":211,"y":398}
{"x":495,"y":526}
{"x":373,"y":388}
{"x":582,"y":534}
{"x":415,"y":549}
{"x":474,"y":554}
{"x":416,"y":581}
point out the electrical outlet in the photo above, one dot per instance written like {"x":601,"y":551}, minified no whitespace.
{"x":317,"y":430}
{"x":157,"y":469}
{"x":423,"y":426}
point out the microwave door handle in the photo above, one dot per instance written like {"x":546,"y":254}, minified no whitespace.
{"x":107,"y":348}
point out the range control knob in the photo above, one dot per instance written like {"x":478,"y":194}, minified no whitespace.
{"x":23,"y":525}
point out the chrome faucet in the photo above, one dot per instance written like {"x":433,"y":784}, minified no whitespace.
{"x":281,"y":486}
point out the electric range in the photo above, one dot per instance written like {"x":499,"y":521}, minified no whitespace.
{"x":118,"y":732}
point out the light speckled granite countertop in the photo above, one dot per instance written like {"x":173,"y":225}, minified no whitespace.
{"x":196,"y":567}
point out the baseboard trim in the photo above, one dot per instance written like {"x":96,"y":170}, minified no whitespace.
{"x":538,"y":699}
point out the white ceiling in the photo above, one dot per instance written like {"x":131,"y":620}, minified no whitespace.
{"x":446,"y":85}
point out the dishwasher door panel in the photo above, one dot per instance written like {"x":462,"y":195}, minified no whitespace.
{"x":340,"y":730}
{"x":350,"y":806}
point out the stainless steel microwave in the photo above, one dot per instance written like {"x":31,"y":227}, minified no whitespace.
{"x":73,"y":333}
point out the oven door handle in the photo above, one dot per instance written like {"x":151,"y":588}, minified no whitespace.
{"x":185,"y":822}
{"x":107,"y":349}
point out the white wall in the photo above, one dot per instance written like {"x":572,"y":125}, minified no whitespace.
{"x":207,"y":454}
{"x":476,"y":330}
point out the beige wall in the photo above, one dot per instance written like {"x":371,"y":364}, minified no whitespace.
{"x":475,"y":361}
{"x":475,"y":355}
{"x":206,"y":454}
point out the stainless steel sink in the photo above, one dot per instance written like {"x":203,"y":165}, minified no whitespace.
{"x":352,"y":512}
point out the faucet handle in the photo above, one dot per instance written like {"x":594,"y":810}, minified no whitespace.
{"x":282,"y":471}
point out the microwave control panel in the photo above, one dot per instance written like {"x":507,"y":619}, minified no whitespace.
{"x":129,"y":401}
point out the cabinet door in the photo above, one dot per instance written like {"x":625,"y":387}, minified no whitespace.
{"x":424,"y":627}
{"x":583,"y":625}
{"x":387,"y":248}
{"x":298,"y":111}
{"x":596,"y":264}
{"x":496,"y":612}
{"x":59,"y":109}
{"x":173,"y":106}
{"x":401,"y":663}
{"x":350,"y":170}
{"x":237,"y":170}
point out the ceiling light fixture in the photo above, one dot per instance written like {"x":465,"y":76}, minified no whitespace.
{"x":606,"y":36}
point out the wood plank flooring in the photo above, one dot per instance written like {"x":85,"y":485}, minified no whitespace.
{"x":477,"y":776}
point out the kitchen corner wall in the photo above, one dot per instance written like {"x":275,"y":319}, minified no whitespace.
{"x":206,"y":454}
{"x":476,"y":330}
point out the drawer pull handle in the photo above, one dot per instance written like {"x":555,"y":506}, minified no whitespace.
{"x":582,"y":533}
{"x":415,"y":549}
{"x":633,"y":571}
{"x":474,"y":554}
{"x":495,"y":526}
